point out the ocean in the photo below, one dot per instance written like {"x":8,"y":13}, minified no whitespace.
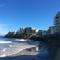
{"x":6,"y":45}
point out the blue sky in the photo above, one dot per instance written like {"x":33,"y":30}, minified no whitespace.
{"x":21,"y":13}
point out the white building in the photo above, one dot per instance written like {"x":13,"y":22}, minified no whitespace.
{"x":57,"y":22}
{"x":42,"y":32}
{"x":52,"y":30}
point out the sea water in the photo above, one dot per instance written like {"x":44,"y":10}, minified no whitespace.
{"x":5,"y":43}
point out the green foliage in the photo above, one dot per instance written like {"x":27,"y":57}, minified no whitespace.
{"x":25,"y":33}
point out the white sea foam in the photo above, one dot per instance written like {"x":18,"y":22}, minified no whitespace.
{"x":5,"y":42}
{"x":21,"y":40}
{"x":8,"y":48}
{"x":2,"y":55}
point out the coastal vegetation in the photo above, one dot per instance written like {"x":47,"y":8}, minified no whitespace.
{"x":24,"y":33}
